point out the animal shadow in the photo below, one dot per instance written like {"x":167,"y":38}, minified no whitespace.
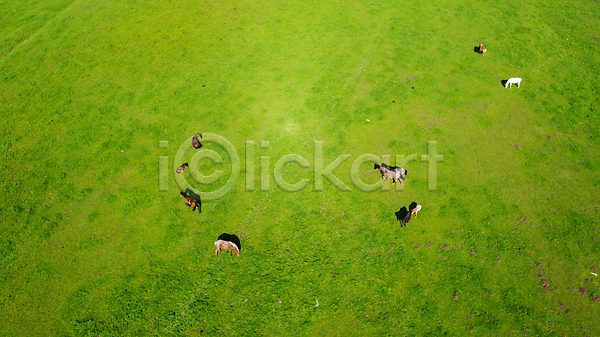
{"x":412,"y":206}
{"x":191,"y":193}
{"x":231,"y":238}
{"x":401,"y":213}
{"x":476,"y":49}
{"x":504,"y":83}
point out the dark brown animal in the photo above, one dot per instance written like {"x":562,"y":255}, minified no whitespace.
{"x":406,"y":219}
{"x":196,"y":141}
{"x":182,"y":167}
{"x":191,"y":202}
{"x":480,"y":48}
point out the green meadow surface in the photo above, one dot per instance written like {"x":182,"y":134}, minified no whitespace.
{"x":507,"y":245}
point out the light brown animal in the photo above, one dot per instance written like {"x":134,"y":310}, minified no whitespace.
{"x":222,"y":244}
{"x":483,"y":52}
{"x":182,"y":167}
{"x":481,"y":48}
{"x":191,"y":202}
{"x":416,"y":210}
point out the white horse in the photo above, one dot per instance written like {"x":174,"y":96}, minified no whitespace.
{"x":511,"y":81}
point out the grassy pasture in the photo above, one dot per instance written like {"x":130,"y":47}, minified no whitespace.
{"x":506,"y":245}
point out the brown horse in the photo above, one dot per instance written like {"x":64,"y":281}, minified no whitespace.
{"x":191,"y":202}
{"x":182,"y":168}
{"x":196,"y":141}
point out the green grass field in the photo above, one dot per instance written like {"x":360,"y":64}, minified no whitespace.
{"x":507,"y":245}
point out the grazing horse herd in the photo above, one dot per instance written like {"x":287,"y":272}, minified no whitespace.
{"x":197,"y":203}
{"x":387,"y":172}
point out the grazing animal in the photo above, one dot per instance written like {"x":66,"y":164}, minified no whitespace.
{"x":182,"y":168}
{"x":511,"y":81}
{"x":393,"y":172}
{"x":384,"y":172}
{"x":196,"y":141}
{"x":481,"y":48}
{"x":406,"y":219}
{"x":416,"y":210}
{"x":191,"y":202}
{"x":483,"y":52}
{"x":226,"y":245}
